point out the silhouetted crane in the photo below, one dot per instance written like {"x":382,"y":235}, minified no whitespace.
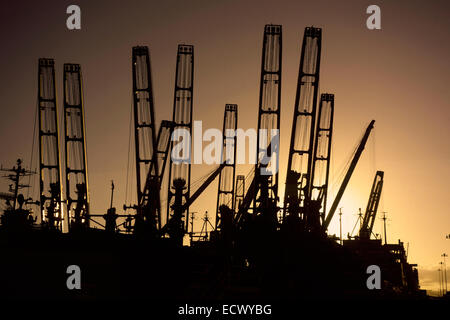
{"x":298,"y":176}
{"x":372,"y":206}
{"x":266,"y":184}
{"x":49,"y":156}
{"x":226,"y":186}
{"x":182,"y":119}
{"x":348,"y":175}
{"x":77,"y":187}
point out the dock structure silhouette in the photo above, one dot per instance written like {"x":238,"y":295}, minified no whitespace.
{"x":262,"y":245}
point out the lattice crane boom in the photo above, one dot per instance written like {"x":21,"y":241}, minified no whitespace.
{"x":182,"y":119}
{"x":77,"y":187}
{"x":322,"y":151}
{"x":144,"y":118}
{"x":269,"y":116}
{"x":49,"y":157}
{"x":302,"y":137}
{"x":348,"y":175}
{"x":226,"y":186}
{"x":372,"y":206}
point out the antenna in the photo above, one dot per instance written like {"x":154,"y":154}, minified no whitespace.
{"x":384,"y":223}
{"x":112,"y":193}
{"x":360,"y":219}
{"x":444,"y":255}
{"x":205,"y":226}
{"x":15,"y":174}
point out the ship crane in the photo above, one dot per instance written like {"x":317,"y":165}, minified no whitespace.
{"x":182,"y":119}
{"x":299,"y":168}
{"x":148,"y":217}
{"x":348,"y":175}
{"x":372,"y":206}
{"x":49,"y":154}
{"x":263,"y":189}
{"x":150,"y":203}
{"x":307,"y":174}
{"x":316,"y":199}
{"x":242,"y":212}
{"x":77,"y":187}
{"x":226,"y":186}
{"x":175,"y":227}
{"x":266,"y":184}
{"x":152,"y":151}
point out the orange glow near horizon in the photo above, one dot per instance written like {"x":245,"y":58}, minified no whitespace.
{"x":397,"y":75}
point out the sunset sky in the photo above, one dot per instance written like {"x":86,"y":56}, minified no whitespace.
{"x":398,"y":76}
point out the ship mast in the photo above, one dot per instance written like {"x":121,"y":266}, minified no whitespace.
{"x":15,"y":174}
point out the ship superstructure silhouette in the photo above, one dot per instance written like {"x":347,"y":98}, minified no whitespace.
{"x":258,"y":247}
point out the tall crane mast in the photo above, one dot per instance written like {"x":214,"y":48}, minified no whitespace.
{"x":269,"y":117}
{"x":322,"y":151}
{"x":144,"y":119}
{"x":372,"y":206}
{"x":182,"y":119}
{"x":226,"y":185}
{"x":77,"y":187}
{"x":348,"y":175}
{"x":49,"y":156}
{"x":298,"y":184}
{"x":144,"y":135}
